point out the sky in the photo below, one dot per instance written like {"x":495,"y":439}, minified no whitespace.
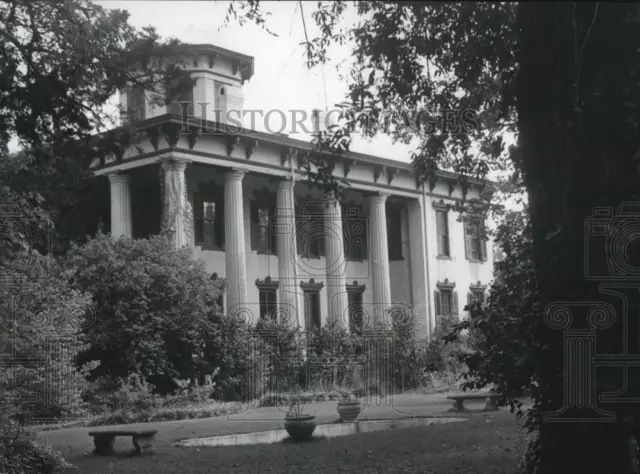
{"x":281,"y":80}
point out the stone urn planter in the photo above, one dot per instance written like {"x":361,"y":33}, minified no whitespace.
{"x":299,"y":425}
{"x":349,"y":409}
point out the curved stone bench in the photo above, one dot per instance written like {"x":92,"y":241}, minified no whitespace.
{"x":458,"y":400}
{"x":105,"y":439}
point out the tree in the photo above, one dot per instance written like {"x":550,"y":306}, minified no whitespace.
{"x":566,"y":74}
{"x":62,"y":62}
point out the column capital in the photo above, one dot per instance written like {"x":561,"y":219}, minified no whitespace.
{"x":235,"y":174}
{"x":286,"y":183}
{"x":118,"y":177}
{"x":178,"y":164}
{"x":379,"y":198}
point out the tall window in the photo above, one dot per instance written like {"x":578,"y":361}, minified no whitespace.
{"x":394,"y":230}
{"x":446,"y":302}
{"x":475,"y":244}
{"x":354,"y":231}
{"x":180,"y":94}
{"x":136,"y":104}
{"x":310,"y":229}
{"x":442,"y":229}
{"x":220,"y":106}
{"x":356,"y":308}
{"x":267,"y":292}
{"x":263,"y":208}
{"x":477,"y":296}
{"x":311,"y":292}
{"x":208,"y":220}
{"x":477,"y":293}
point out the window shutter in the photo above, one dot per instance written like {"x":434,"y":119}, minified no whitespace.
{"x":484,"y":242}
{"x":219,"y":224}
{"x":454,"y":304}
{"x":307,"y":310}
{"x":467,"y":240}
{"x":437,"y":303}
{"x":197,"y":206}
{"x":272,"y":229}
{"x":470,"y":298}
{"x":129,"y":106}
{"x":255,"y":225}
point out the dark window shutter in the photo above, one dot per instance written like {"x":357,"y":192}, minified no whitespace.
{"x":315,"y":308}
{"x":219,"y":224}
{"x":470,"y":298}
{"x":272,"y":229}
{"x":483,"y":236}
{"x":307,"y":310}
{"x":467,"y":240}
{"x":255,"y":225}
{"x":131,"y":103}
{"x":198,"y":227}
{"x":437,"y":303}
{"x":263,"y":303}
{"x":454,"y":304}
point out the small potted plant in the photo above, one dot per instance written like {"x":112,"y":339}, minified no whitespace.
{"x":299,"y":425}
{"x":349,"y":407}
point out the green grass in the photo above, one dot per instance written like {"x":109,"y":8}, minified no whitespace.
{"x":488,"y":443}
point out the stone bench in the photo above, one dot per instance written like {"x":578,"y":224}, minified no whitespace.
{"x":104,"y":440}
{"x":458,"y":400}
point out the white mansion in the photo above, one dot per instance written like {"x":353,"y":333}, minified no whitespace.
{"x":241,"y":201}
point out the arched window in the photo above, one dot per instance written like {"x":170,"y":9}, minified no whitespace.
{"x":221,"y":91}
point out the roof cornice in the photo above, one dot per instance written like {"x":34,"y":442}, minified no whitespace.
{"x":290,"y":146}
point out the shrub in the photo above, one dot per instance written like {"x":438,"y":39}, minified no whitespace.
{"x":20,"y":454}
{"x":153,"y":308}
{"x":239,"y":359}
{"x":333,"y":357}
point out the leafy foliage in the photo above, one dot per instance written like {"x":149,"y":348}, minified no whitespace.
{"x":504,"y":346}
{"x":153,"y":307}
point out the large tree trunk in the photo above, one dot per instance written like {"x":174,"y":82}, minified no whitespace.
{"x":576,"y":93}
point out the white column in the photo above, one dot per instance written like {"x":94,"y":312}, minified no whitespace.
{"x":288,"y":289}
{"x":418,"y":266}
{"x":379,"y":256}
{"x":120,"y":205}
{"x":235,"y":258}
{"x":336,"y":263}
{"x":175,"y":201}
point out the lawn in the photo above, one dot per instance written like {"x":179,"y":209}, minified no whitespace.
{"x":487,"y":443}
